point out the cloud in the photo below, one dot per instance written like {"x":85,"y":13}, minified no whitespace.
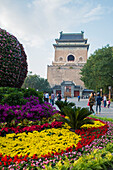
{"x":36,"y":23}
{"x":94,"y":14}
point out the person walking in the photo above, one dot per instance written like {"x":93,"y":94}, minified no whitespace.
{"x":52,"y":98}
{"x":98,"y":103}
{"x":104,"y":99}
{"x":78,"y":98}
{"x":92,"y":102}
{"x":47,"y":97}
{"x":108,"y":103}
{"x":59,"y":97}
{"x":65,"y":98}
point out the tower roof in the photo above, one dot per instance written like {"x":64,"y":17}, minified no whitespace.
{"x":71,"y":40}
{"x":71,"y":36}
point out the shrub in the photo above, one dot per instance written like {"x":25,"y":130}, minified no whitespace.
{"x":16,"y":96}
{"x":77,"y":117}
{"x":13,"y":64}
{"x":62,"y":104}
{"x":32,"y":92}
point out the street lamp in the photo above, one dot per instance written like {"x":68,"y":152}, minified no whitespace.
{"x":109,"y":87}
{"x":101,"y":92}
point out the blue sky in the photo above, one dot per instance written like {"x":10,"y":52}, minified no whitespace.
{"x":36,"y":24}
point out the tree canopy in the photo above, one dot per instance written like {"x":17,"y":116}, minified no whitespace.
{"x":36,"y":82}
{"x":97,"y":73}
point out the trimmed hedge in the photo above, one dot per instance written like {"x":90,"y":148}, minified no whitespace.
{"x":13,"y":61}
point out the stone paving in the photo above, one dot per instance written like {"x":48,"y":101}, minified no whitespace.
{"x":105,"y":112}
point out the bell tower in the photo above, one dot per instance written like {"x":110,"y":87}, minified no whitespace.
{"x":71,"y":50}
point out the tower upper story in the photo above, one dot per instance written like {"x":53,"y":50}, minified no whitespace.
{"x":70,"y":49}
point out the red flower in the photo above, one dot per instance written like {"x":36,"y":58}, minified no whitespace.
{"x":5,"y":164}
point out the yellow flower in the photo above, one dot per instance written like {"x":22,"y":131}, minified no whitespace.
{"x":39,"y":143}
{"x":96,"y":124}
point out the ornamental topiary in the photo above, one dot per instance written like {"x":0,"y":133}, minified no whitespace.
{"x":13,"y":64}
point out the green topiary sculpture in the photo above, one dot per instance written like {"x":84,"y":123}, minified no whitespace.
{"x":13,"y":64}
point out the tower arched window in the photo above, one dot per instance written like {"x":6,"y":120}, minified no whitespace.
{"x":80,"y":59}
{"x":71,"y":58}
{"x":60,"y":59}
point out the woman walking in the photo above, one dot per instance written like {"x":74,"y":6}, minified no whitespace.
{"x":92,"y":102}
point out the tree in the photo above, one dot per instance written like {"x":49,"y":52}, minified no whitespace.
{"x":13,"y":61}
{"x":97,"y":73}
{"x":36,"y":82}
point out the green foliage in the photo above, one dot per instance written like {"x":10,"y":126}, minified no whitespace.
{"x":77,"y":117}
{"x":62,"y":104}
{"x":102,"y":118}
{"x":36,"y":82}
{"x":1,"y":97}
{"x":71,"y":67}
{"x":97,"y":73}
{"x":15,"y":96}
{"x":32,"y":92}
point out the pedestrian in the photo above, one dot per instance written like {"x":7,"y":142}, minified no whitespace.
{"x":104,"y":99}
{"x":47,"y":97}
{"x":59,"y":97}
{"x":95,"y":96}
{"x":92,"y":102}
{"x":44,"y":97}
{"x":108,"y":103}
{"x":98,"y":103}
{"x":78,"y":98}
{"x":52,"y":98}
{"x":65,"y":98}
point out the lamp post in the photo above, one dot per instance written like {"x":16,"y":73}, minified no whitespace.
{"x":109,"y":87}
{"x":101,"y":92}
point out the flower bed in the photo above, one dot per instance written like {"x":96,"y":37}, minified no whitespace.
{"x":87,"y":140}
{"x":32,"y":110}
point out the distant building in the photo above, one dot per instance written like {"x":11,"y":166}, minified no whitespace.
{"x":68,"y":88}
{"x":70,"y":56}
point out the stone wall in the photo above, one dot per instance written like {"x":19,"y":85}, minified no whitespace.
{"x":57,"y":74}
{"x":76,"y":52}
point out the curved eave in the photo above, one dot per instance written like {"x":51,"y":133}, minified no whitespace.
{"x":71,"y":45}
{"x":71,"y":40}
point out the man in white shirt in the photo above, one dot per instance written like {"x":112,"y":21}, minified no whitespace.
{"x":47,"y":97}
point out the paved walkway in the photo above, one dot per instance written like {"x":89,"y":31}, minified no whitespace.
{"x":105,"y":112}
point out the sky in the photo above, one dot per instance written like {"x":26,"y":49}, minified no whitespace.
{"x":37,"y":23}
